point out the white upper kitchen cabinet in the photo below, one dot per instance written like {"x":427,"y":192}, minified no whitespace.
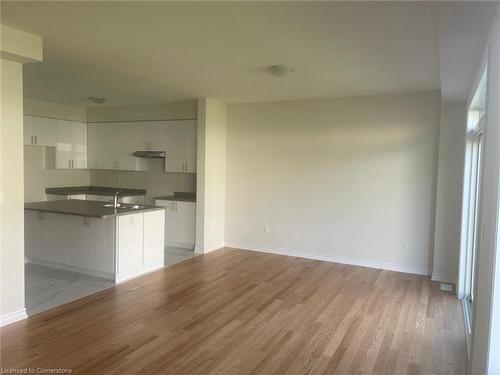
{"x":111,"y":146}
{"x":79,"y":145}
{"x":100,"y":143}
{"x":71,"y":145}
{"x":153,"y":135}
{"x":40,"y":131}
{"x":181,"y":146}
{"x":28,"y":130}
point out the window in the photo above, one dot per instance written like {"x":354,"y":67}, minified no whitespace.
{"x":472,"y":195}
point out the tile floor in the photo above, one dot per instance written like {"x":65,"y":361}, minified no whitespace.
{"x":47,"y":287}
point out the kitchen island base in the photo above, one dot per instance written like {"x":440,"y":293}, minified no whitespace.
{"x":117,"y":247}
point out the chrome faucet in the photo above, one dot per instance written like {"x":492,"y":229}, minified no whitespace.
{"x":115,"y":199}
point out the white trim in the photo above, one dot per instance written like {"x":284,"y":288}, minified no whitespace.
{"x":13,"y":317}
{"x":46,"y":263}
{"x":467,"y":328}
{"x":333,"y":258}
{"x":183,"y":245}
{"x":145,"y":272}
{"x":444,"y":278}
{"x":208,"y":249}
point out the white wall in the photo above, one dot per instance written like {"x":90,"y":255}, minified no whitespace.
{"x":12,"y":220}
{"x":43,"y":108}
{"x":486,"y":326}
{"x":36,"y":177}
{"x":26,"y":47}
{"x":452,"y":132}
{"x":339,"y":179}
{"x":211,"y":185}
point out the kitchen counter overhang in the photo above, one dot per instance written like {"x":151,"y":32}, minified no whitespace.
{"x":96,"y":209}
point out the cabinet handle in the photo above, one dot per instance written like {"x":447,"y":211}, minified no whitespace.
{"x":36,"y":139}
{"x":32,"y":140}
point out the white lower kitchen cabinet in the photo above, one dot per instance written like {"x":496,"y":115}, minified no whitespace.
{"x":129,"y":243}
{"x":139,"y":238}
{"x":180,"y":222}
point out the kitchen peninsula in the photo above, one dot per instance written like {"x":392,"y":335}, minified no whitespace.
{"x":95,"y":238}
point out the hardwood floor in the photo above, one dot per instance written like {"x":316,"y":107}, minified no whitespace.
{"x":242,"y":312}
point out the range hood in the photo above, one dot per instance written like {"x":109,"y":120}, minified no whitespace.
{"x":149,"y":154}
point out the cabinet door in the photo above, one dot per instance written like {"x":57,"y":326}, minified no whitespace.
{"x":181,"y":146}
{"x":111,"y":146}
{"x":79,"y":145}
{"x":157,"y":134}
{"x":28,"y":126}
{"x":100,"y":138}
{"x":64,"y":147}
{"x":191,"y":145}
{"x":186,"y":215}
{"x":129,"y":246}
{"x":154,"y":240}
{"x":179,"y":223}
{"x":45,"y":130}
{"x":128,"y":135}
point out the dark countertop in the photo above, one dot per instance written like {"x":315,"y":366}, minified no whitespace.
{"x":179,"y":196}
{"x":86,"y":208}
{"x":95,"y":190}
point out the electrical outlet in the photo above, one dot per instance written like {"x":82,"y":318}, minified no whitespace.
{"x":267,"y":229}
{"x":404,"y":245}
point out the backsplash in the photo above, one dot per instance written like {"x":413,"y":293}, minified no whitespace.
{"x":154,"y":180}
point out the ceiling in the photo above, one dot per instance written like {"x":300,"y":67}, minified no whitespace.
{"x":151,"y":52}
{"x":462,"y":31}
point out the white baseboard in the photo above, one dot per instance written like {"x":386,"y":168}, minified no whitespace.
{"x":13,"y":317}
{"x":209,"y":248}
{"x":182,"y":245}
{"x":46,"y":263}
{"x":444,"y":278}
{"x":145,"y":272}
{"x":332,"y":258}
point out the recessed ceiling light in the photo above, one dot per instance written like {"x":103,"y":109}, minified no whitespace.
{"x":96,"y":99}
{"x":280,"y":70}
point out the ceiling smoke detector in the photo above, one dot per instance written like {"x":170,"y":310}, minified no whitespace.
{"x":96,"y":99}
{"x":280,"y":70}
